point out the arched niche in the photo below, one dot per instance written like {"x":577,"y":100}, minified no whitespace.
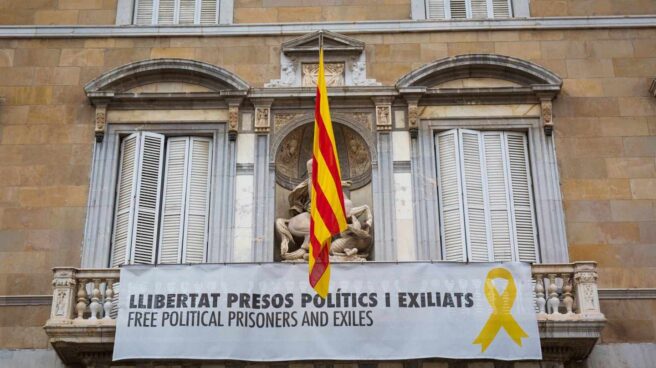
{"x":292,"y":146}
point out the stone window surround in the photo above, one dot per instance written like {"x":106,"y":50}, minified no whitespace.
{"x":125,"y":12}
{"x":543,"y":172}
{"x":99,"y":227}
{"x":536,"y":85}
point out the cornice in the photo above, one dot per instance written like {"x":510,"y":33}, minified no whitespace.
{"x":629,"y":293}
{"x":647,"y":21}
{"x":21,"y":300}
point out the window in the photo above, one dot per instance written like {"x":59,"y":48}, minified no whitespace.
{"x":485,"y":196}
{"x":162,"y":198}
{"x":176,"y":12}
{"x":468,"y":9}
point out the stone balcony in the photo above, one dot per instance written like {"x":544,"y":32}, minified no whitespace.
{"x":82,"y":322}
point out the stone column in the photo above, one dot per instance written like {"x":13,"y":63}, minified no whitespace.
{"x":63,"y":295}
{"x":263,"y":196}
{"x":233,"y":117}
{"x":383,"y":184}
{"x":587,"y":294}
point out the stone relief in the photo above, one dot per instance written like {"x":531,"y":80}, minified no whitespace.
{"x":296,"y":148}
{"x":281,"y":119}
{"x":286,"y":160}
{"x":262,"y":119}
{"x":383,"y":120}
{"x":60,"y":304}
{"x":351,"y":245}
{"x":334,"y":73}
{"x":287,"y":75}
{"x":343,"y":55}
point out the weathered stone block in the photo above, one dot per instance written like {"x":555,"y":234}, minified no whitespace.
{"x":643,"y":188}
{"x":631,"y":167}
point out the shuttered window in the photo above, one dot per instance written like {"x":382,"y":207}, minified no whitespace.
{"x":468,"y":9}
{"x":486,"y":203}
{"x":166,"y":12}
{"x":162,"y":200}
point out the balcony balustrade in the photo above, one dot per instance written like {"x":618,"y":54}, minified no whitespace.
{"x":82,"y":321}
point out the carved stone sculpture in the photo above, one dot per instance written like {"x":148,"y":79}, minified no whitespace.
{"x":351,"y":245}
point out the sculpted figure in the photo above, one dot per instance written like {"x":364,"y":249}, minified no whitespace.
{"x":351,"y":245}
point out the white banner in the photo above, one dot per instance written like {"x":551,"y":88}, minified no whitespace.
{"x":375,"y":311}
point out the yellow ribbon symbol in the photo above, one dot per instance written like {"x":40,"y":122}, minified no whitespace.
{"x":501,"y":306}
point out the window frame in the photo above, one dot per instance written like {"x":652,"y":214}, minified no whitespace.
{"x":99,"y":228}
{"x":544,"y":175}
{"x":464,"y":220}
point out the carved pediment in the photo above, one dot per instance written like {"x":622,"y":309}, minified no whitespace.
{"x":332,"y":43}
{"x":344,"y":56}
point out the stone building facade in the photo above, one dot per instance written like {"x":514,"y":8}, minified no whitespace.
{"x":574,"y":78}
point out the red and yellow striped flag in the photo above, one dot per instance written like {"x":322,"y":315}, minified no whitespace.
{"x":327,"y":209}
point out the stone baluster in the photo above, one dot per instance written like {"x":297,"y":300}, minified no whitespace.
{"x":539,"y":294}
{"x":587,"y":295}
{"x":81,"y":298}
{"x":95,"y":307}
{"x":63,"y":295}
{"x":553,"y":302}
{"x":568,"y":300}
{"x":109,"y":295}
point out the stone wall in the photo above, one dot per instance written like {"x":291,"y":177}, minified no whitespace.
{"x":605,"y":127}
{"x":587,"y":8}
{"x":26,"y":12}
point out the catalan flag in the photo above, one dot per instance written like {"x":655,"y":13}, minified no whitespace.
{"x":327,"y":201}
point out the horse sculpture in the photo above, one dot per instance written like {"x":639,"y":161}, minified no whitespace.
{"x":351,"y":245}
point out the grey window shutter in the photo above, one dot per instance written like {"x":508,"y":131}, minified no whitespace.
{"x":435,"y":9}
{"x":147,"y":202}
{"x":522,"y":196}
{"x":498,"y":195}
{"x":187,"y":12}
{"x":474,"y":196}
{"x":166,"y":12}
{"x":170,"y":245}
{"x":501,"y":8}
{"x":183,"y":234}
{"x":125,"y":194}
{"x":478,"y":9}
{"x":197,"y":203}
{"x":143,"y":12}
{"x":209,"y":12}
{"x":458,"y":9}
{"x":137,"y":199}
{"x":452,"y":227}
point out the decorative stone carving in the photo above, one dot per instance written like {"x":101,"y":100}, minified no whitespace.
{"x":296,"y":148}
{"x":362,"y":118}
{"x":262,"y":117}
{"x":344,"y":57}
{"x":351,"y":245}
{"x":287,"y":74}
{"x":281,"y":119}
{"x":334,"y":74}
{"x":63,"y":295}
{"x":233,"y":118}
{"x":547,"y":116}
{"x":101,"y":113}
{"x":383,"y":117}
